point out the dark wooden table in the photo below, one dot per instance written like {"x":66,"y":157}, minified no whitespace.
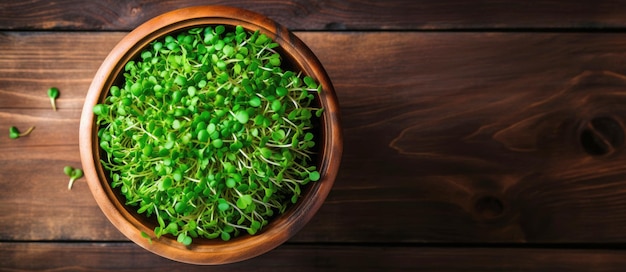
{"x":479,"y":135}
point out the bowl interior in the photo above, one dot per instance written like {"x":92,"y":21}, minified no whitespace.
{"x":296,"y":57}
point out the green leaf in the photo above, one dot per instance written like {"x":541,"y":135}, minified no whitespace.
{"x":319,"y":112}
{"x":255,"y":101}
{"x":100,"y":109}
{"x":187,"y":241}
{"x":242,"y":116}
{"x":266,"y":152}
{"x":180,"y":80}
{"x":165,"y":184}
{"x":314,"y":176}
{"x":68,"y":170}
{"x":177,"y":175}
{"x":217,"y":143}
{"x":172,"y":228}
{"x":145,"y":235}
{"x":220,"y":29}
{"x":275,"y":61}
{"x":161,"y":222}
{"x":254,"y":227}
{"x":203,"y":135}
{"x":158,"y":231}
{"x":223,"y":206}
{"x":231,"y":183}
{"x":136,"y":89}
{"x":53,"y":93}
{"x":308,"y":136}
{"x":180,"y":207}
{"x":276,"y":105}
{"x":241,"y":204}
{"x":191,"y":90}
{"x":244,"y":201}
{"x":142,"y":209}
{"x":278,"y":135}
{"x":77,"y":173}
{"x":225,"y":236}
{"x":310,"y":82}
{"x":14,"y":133}
{"x":181,"y":237}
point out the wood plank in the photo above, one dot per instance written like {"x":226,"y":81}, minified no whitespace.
{"x":475,"y":137}
{"x":449,"y":137}
{"x":36,"y":201}
{"x":327,"y":15}
{"x":130,"y":257}
{"x":32,"y":62}
{"x":294,"y":14}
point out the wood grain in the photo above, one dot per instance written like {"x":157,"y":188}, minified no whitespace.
{"x":327,"y":15}
{"x":449,"y":137}
{"x":475,"y":137}
{"x":130,"y":257}
{"x":38,"y":205}
{"x":32,"y":62}
{"x":126,"y":15}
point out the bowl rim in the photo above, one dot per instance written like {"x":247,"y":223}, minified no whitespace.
{"x":239,"y":249}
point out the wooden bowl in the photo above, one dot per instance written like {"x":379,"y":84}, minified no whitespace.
{"x":205,"y":251}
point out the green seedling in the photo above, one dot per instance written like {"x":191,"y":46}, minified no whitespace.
{"x":146,"y":236}
{"x":53,"y":93}
{"x":14,"y":133}
{"x":208,"y":134}
{"x":73,"y":173}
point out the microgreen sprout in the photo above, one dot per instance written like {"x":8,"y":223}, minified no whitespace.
{"x":209,"y":134}
{"x":53,"y":93}
{"x":14,"y":133}
{"x":73,"y":173}
{"x":146,"y":236}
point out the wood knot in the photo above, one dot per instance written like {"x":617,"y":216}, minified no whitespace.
{"x":601,"y":136}
{"x":135,"y":10}
{"x":488,"y":207}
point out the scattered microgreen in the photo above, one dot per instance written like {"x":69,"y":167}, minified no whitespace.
{"x":53,"y":93}
{"x":209,"y":134}
{"x":146,"y":236}
{"x":73,"y":173}
{"x":14,"y":133}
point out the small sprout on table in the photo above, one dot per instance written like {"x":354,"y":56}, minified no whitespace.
{"x":53,"y":93}
{"x":73,"y":173}
{"x":14,"y":133}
